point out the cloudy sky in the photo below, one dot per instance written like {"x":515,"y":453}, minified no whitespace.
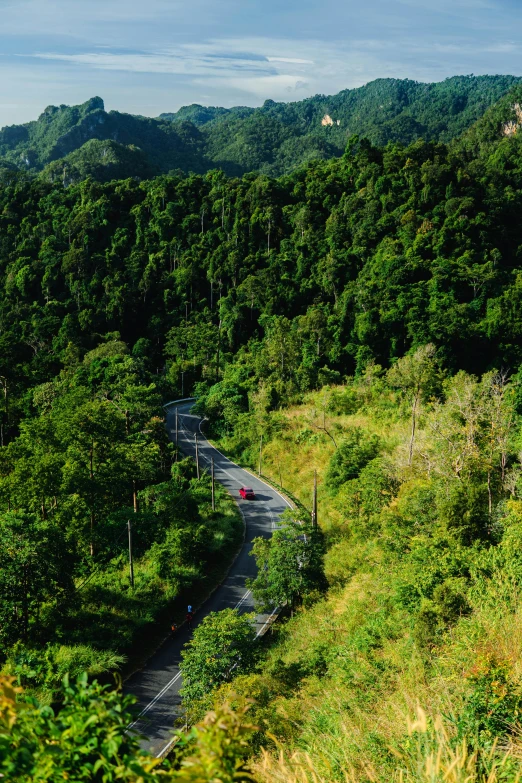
{"x":151,"y":56}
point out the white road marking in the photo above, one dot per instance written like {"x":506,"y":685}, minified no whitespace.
{"x":177,"y":676}
{"x":155,"y":699}
{"x":267,"y":622}
{"x":166,"y":748}
{"x":247,"y":594}
{"x":240,"y":468}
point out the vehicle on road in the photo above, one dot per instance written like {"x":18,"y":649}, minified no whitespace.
{"x":247,"y":493}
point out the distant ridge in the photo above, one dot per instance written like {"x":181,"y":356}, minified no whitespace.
{"x":72,"y":142}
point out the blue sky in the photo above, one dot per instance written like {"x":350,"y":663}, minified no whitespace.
{"x":151,"y":56}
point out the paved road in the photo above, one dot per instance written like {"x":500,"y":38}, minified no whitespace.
{"x":158,"y":684}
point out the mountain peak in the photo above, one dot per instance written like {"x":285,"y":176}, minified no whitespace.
{"x":93,"y":104}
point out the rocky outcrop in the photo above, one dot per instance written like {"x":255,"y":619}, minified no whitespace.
{"x":327,"y":120}
{"x":510,"y":128}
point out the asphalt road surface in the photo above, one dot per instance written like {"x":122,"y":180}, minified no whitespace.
{"x":158,"y":684}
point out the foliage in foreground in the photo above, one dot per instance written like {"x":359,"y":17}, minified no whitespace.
{"x":86,"y":740}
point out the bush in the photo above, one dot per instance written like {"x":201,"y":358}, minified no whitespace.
{"x":463,"y":509}
{"x":356,"y":450}
{"x":222,"y":644}
{"x":494,"y":706}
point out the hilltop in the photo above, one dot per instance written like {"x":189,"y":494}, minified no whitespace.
{"x":273,"y":139}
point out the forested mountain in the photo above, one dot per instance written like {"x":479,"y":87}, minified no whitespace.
{"x":273,"y":139}
{"x":379,"y":294}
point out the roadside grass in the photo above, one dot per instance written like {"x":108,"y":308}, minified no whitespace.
{"x":301,"y":446}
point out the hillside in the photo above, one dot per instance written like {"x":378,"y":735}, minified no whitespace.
{"x":273,"y":139}
{"x":62,"y":130}
{"x":421,"y":620}
{"x":362,"y":314}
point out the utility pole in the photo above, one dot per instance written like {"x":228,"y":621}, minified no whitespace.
{"x":3,"y":382}
{"x":314,"y":503}
{"x":197,"y":456}
{"x":182,"y":384}
{"x":213,"y":488}
{"x":131,"y":567}
{"x":218,"y":350}
{"x":260,"y":453}
{"x":177,"y":430}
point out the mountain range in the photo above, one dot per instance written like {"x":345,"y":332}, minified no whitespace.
{"x":70,"y":143}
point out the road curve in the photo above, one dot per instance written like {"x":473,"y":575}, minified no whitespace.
{"x":157,"y":685}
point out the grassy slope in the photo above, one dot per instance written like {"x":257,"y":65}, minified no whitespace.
{"x":343,"y":677}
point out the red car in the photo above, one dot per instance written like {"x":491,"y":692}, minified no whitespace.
{"x":247,"y":493}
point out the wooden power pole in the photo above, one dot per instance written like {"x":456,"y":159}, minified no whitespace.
{"x":177,"y":434}
{"x":213,"y":487}
{"x":260,"y":454}
{"x":131,"y":567}
{"x":197,"y":456}
{"x":314,"y":503}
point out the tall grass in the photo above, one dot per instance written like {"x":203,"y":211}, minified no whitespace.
{"x":432,"y":757}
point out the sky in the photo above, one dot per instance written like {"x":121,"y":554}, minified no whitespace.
{"x":153,"y":56}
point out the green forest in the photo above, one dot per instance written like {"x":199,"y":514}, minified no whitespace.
{"x":362,"y":312}
{"x":69,"y":143}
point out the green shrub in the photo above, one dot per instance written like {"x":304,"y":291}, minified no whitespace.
{"x":356,"y":450}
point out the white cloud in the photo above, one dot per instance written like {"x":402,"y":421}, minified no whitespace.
{"x":260,"y":68}
{"x":215,"y":58}
{"x":153,"y":56}
{"x":181,"y":62}
{"x":294,"y":60}
{"x":281,"y":86}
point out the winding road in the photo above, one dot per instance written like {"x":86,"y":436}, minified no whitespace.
{"x":158,"y":684}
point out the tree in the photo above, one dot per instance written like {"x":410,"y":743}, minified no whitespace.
{"x":289,"y":564}
{"x":35,"y":566}
{"x":415,"y":374}
{"x":223,"y":643}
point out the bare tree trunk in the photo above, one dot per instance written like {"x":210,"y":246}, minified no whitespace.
{"x":25,"y":608}
{"x":91,"y":477}
{"x":413,"y":428}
